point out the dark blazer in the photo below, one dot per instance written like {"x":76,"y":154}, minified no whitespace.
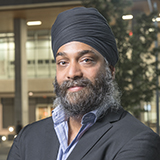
{"x":115,"y":136}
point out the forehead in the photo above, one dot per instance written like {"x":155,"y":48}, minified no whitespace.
{"x":75,"y":47}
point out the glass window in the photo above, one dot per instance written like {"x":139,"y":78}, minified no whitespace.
{"x":40,"y":60}
{"x":6,"y":55}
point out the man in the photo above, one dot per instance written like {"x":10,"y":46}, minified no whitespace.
{"x":88,"y":122}
{"x":18,"y":127}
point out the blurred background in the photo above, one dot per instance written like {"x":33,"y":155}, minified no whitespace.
{"x":27,"y":65}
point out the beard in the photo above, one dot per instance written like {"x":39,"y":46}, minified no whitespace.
{"x":90,"y":97}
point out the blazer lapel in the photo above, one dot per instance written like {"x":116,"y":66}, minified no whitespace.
{"x":51,"y":142}
{"x":94,"y":134}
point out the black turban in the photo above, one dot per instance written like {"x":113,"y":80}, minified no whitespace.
{"x":85,"y":25}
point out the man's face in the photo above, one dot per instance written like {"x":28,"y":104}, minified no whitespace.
{"x":80,"y":76}
{"x":78,"y":60}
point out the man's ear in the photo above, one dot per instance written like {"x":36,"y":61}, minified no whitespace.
{"x":112,"y":71}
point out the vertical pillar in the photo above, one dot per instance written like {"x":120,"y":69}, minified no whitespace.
{"x":21,"y":84}
{"x":1,"y":116}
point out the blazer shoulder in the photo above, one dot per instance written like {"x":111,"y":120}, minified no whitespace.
{"x":35,"y":141}
{"x":38,"y":127}
{"x":126,"y":124}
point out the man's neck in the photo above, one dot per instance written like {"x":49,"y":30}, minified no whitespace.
{"x":74,"y":125}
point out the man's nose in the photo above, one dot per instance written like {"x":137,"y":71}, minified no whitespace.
{"x":74,"y":71}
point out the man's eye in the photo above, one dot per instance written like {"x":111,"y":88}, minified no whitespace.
{"x":62,"y":63}
{"x":87,"y":60}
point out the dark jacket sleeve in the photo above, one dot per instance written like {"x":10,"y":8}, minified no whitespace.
{"x":125,"y":139}
{"x":145,"y":146}
{"x":36,"y":141}
{"x":15,"y":152}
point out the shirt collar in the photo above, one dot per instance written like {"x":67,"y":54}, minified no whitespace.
{"x":89,"y":117}
{"x":59,"y":116}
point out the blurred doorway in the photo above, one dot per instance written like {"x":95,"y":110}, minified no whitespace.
{"x":43,"y":111}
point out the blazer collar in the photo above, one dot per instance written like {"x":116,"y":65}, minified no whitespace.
{"x":51,"y":141}
{"x":97,"y":131}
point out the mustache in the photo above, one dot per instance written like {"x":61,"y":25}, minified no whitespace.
{"x":83,"y":82}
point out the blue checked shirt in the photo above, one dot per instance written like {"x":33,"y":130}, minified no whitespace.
{"x":61,"y":127}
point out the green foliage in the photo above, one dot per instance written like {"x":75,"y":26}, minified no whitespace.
{"x":139,"y":71}
{"x":135,"y":72}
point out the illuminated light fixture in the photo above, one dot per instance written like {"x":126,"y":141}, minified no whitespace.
{"x":156,"y":19}
{"x":11,"y":129}
{"x":127,"y":17}
{"x":151,"y":29}
{"x":4,"y":138}
{"x":34,"y":23}
{"x":6,"y":34}
{"x":130,"y":33}
{"x":30,"y":93}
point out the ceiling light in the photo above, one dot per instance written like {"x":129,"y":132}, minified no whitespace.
{"x":127,"y":17}
{"x":30,"y":93}
{"x":156,"y":19}
{"x":11,"y":129}
{"x":151,"y":29}
{"x":3,"y":138}
{"x":34,"y":23}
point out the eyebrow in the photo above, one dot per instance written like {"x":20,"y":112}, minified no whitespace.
{"x":80,"y":53}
